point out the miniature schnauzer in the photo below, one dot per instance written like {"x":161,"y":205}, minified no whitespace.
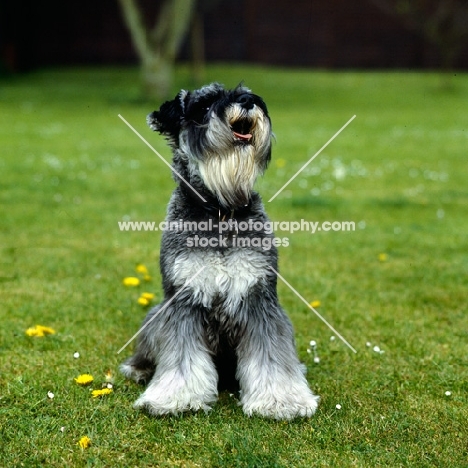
{"x":220,"y":322}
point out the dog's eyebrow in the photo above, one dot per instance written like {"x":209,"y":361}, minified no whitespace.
{"x":242,"y":87}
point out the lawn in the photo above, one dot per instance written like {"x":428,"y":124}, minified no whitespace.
{"x":71,"y":169}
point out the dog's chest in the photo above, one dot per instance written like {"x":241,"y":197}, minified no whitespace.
{"x":214,"y":275}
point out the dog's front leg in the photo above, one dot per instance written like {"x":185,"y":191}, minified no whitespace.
{"x":185,"y":378}
{"x":269,"y":372}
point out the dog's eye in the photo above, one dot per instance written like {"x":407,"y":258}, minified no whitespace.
{"x":198,"y":114}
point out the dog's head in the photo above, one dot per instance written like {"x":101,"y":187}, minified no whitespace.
{"x":223,"y":137}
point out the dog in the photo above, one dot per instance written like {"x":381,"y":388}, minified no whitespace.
{"x":220,"y":324}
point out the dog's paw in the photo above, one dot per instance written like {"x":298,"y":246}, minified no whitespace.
{"x":281,"y":404}
{"x":158,"y":403}
{"x":172,"y":393}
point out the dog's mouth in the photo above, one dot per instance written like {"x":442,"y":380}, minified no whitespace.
{"x":242,"y":129}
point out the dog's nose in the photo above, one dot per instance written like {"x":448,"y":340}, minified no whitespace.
{"x":246,"y":101}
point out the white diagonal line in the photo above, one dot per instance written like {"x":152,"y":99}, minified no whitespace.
{"x":312,"y":158}
{"x":313,"y":310}
{"x":168,"y":303}
{"x":157,"y":153}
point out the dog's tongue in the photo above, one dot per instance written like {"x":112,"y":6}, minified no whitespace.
{"x":241,"y":136}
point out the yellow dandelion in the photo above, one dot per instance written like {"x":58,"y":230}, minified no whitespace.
{"x":84,"y":442}
{"x":131,"y":281}
{"x":46,"y":330}
{"x":148,"y":295}
{"x":315,"y":304}
{"x":143,"y":301}
{"x":140,"y":268}
{"x":84,"y":379}
{"x":147,"y":278}
{"x":383,"y":257}
{"x":109,"y":376}
{"x":39,"y":330}
{"x":102,"y":392}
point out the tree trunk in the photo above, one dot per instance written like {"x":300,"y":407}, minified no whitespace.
{"x":157,"y":77}
{"x":158,"y":49}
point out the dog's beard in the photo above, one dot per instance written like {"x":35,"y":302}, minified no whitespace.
{"x":228,"y":167}
{"x":231,"y":177}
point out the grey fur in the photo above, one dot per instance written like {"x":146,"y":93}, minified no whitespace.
{"x":225,"y":325}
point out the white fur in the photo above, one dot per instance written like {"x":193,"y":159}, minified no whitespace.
{"x":231,"y":176}
{"x":176,"y":387}
{"x":269,"y":391}
{"x":228,"y":275}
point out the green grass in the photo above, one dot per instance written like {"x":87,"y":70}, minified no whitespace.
{"x":70,"y":169}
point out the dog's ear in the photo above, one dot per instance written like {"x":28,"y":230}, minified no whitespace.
{"x":168,"y":119}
